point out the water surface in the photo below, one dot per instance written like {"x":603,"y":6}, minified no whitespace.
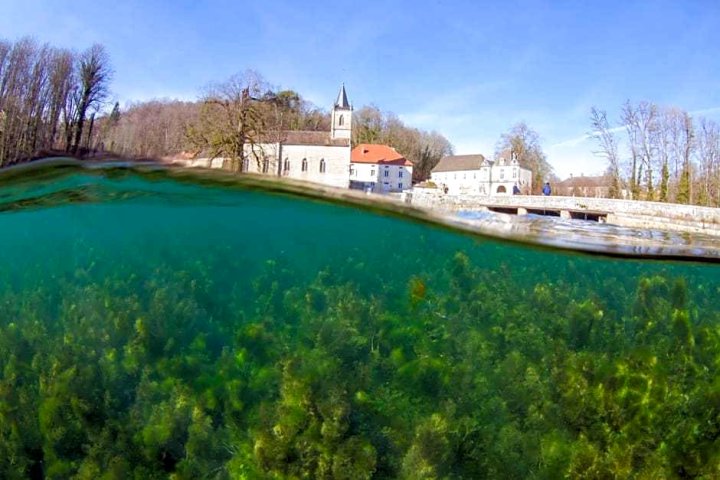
{"x":158,"y":323}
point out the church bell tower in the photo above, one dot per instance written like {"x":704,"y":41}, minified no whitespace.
{"x":341,"y":116}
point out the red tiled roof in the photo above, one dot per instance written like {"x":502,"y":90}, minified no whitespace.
{"x":381,"y":154}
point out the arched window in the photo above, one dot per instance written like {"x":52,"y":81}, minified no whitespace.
{"x":265,"y":166}
{"x":341,"y":121}
{"x":304,"y":164}
{"x":286,"y":165}
{"x":322,"y":165}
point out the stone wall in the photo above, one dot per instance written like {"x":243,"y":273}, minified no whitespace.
{"x":630,"y":213}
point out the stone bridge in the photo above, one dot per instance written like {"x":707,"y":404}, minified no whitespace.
{"x":629,"y":213}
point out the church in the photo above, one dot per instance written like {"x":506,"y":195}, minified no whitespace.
{"x":320,"y":157}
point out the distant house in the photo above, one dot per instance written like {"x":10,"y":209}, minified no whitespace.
{"x":582,"y":186}
{"x":379,"y":169}
{"x":458,"y":174}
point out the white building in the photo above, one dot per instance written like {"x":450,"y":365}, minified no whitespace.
{"x":459,"y":174}
{"x":320,"y":157}
{"x":379,"y":169}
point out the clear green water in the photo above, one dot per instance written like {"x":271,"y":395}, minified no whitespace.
{"x":157,"y":325}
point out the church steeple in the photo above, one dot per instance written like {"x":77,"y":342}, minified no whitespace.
{"x":342,"y":101}
{"x":341,"y":116}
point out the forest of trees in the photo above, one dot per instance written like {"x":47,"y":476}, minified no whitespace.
{"x":49,"y":97}
{"x":660,"y":153}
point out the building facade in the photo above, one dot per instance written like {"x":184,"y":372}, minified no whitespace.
{"x":319,"y":157}
{"x":598,"y":187}
{"x":379,"y":169}
{"x":475,"y":174}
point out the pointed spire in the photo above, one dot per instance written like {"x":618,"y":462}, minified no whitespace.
{"x":342,"y":101}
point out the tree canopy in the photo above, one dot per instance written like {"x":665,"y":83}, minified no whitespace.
{"x":423,"y":149}
{"x":524,"y":142}
{"x":660,"y":153}
{"x":47,"y":96}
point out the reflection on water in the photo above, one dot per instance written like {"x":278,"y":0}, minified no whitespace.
{"x":593,"y":236}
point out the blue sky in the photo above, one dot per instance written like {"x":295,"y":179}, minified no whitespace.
{"x":468,"y":69}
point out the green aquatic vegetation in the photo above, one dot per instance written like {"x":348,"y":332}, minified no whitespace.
{"x":241,"y":349}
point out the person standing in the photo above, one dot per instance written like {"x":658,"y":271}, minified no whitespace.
{"x":546,"y":189}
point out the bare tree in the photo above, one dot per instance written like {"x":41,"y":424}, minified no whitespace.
{"x":608,"y":148}
{"x":40,"y":86}
{"x":524,"y":142}
{"x":708,"y":156}
{"x":682,"y":144}
{"x":230,"y":119}
{"x":61,"y":83}
{"x":368,"y":126}
{"x":94,"y":73}
{"x":640,"y":122}
{"x":423,"y":149}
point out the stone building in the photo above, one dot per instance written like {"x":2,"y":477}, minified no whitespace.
{"x":598,"y":187}
{"x":379,"y":169}
{"x":320,"y":157}
{"x":475,"y":174}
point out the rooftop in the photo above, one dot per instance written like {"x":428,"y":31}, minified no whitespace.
{"x":304,"y":137}
{"x":454,"y":163}
{"x":381,"y":154}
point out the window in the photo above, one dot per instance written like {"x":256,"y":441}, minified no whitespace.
{"x":286,"y":165}
{"x":304,"y":164}
{"x":352,"y":169}
{"x":372,"y":172}
{"x":265,"y":166}
{"x":400,"y":185}
{"x":502,"y":173}
{"x":341,"y":121}
{"x":514,"y":172}
{"x":322,"y":165}
{"x":387,"y":173}
{"x":400,"y":173}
